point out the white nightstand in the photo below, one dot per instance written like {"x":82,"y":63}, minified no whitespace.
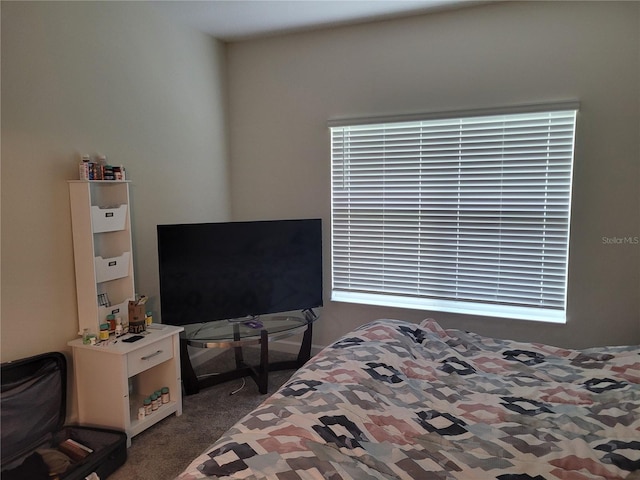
{"x":113,"y":380}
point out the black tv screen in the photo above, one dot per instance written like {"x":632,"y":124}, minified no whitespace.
{"x":215,"y":271}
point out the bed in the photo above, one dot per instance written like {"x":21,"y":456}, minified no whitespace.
{"x":398,"y":400}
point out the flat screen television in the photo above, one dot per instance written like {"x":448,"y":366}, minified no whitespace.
{"x":231,"y":270}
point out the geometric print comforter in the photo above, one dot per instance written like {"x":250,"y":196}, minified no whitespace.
{"x":396,"y":400}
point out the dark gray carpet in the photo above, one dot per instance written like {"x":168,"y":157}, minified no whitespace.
{"x":164,"y":450}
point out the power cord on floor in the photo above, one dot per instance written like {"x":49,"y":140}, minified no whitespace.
{"x":244,"y":382}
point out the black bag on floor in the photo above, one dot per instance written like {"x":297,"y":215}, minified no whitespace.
{"x":35,"y":441}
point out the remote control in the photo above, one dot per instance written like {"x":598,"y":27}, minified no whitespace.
{"x":135,"y":338}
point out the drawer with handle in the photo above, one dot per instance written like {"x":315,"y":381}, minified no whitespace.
{"x":149,"y":356}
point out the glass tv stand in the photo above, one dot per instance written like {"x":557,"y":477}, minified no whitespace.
{"x":240,"y":333}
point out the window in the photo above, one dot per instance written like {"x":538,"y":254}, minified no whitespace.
{"x":467,"y":214}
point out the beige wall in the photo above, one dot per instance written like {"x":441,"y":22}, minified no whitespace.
{"x":284,"y":89}
{"x":114,"y":78}
{"x":108,"y":77}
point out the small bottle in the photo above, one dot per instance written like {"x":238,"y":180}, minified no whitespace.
{"x":154,"y":402}
{"x":109,"y":174}
{"x":86,"y":336}
{"x":119,"y":331}
{"x":165,"y":395}
{"x":104,"y":331}
{"x":101,"y":162}
{"x":141,"y":413}
{"x":111,"y":320}
{"x":148,"y":408}
{"x":148,"y":318}
{"x":84,"y":167}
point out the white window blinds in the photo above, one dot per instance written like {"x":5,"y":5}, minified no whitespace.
{"x":463,"y":214}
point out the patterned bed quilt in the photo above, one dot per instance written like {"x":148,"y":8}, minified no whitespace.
{"x":397,"y":400}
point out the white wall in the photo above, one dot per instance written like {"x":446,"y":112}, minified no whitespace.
{"x":283,"y":90}
{"x":108,"y":77}
{"x":112,"y":77}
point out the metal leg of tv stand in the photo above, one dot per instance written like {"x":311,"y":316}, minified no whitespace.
{"x":261,"y":377}
{"x":303,"y":355}
{"x":190,"y":381}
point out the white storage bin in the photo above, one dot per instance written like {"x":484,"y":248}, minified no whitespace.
{"x":119,"y":310}
{"x":112,"y":268}
{"x":109,"y":219}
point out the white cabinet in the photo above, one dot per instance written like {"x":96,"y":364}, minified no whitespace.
{"x":102,"y":250}
{"x":113,"y":380}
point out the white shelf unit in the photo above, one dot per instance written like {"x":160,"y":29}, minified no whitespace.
{"x":113,"y":380}
{"x":102,"y":249}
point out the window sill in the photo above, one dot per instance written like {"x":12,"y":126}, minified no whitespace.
{"x":468,"y":308}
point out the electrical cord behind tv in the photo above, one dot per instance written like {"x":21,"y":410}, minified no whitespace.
{"x":244,"y":382}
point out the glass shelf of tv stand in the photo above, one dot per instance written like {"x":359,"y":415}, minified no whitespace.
{"x":234,"y":333}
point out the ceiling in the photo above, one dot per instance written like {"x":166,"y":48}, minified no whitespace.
{"x":233,"y":20}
